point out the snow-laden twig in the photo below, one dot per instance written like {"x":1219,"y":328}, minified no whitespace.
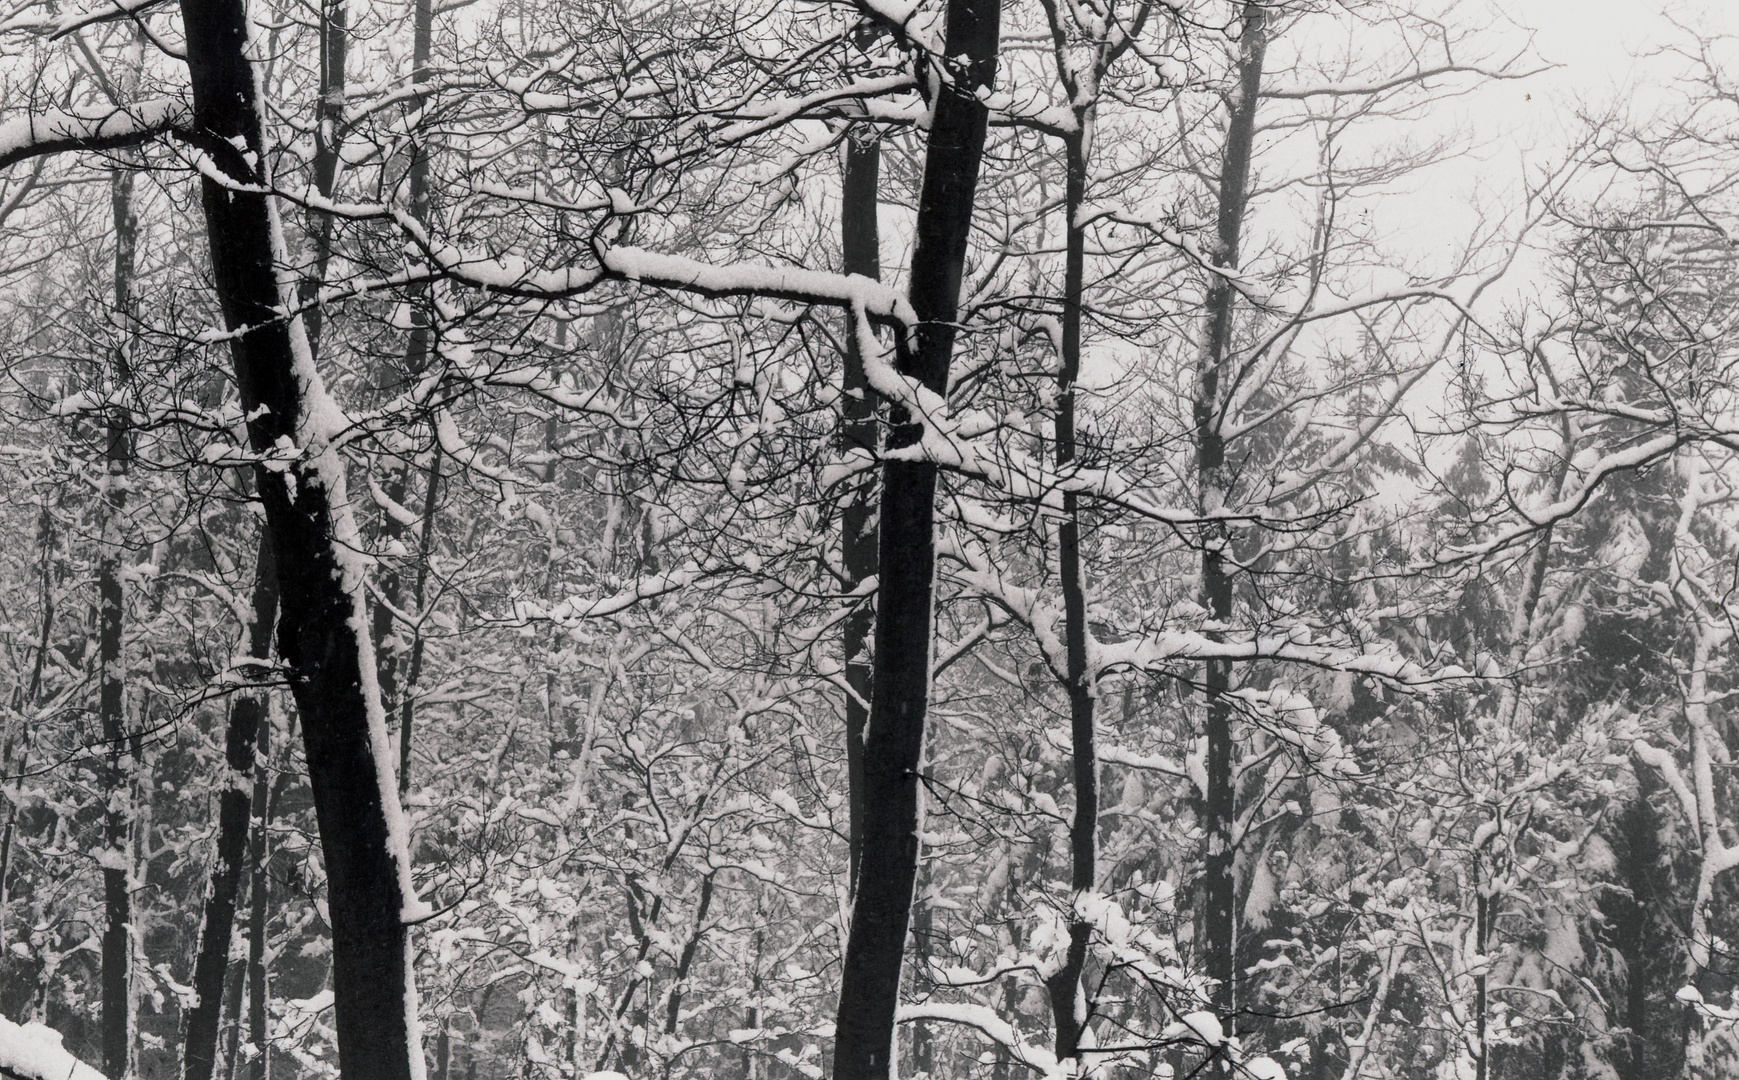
{"x":103,"y":127}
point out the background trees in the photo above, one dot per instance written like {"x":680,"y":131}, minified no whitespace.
{"x":442,"y":557}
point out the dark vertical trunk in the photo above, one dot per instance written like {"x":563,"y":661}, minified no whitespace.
{"x":893,"y":748}
{"x":234,"y":809}
{"x":685,"y":962}
{"x":861,"y":246}
{"x":320,"y":629}
{"x":258,"y":897}
{"x":1219,"y":914}
{"x":328,"y":140}
{"x":414,"y":672}
{"x":1068,"y":1008}
{"x":111,"y":681}
{"x":394,"y":698}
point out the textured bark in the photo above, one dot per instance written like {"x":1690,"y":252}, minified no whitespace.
{"x":1068,"y":1009}
{"x":414,"y":672}
{"x":394,"y":697}
{"x":117,"y":991}
{"x":685,"y":962}
{"x":899,"y":701}
{"x":234,"y":811}
{"x":861,"y":249}
{"x":319,"y":632}
{"x":1219,"y":885}
{"x":328,"y":137}
{"x":258,"y":911}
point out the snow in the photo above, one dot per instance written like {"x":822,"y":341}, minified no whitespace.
{"x":987,"y":1023}
{"x":62,"y":129}
{"x":35,"y":1051}
{"x":1200,"y":1026}
{"x":320,"y":430}
{"x":1263,"y":1068}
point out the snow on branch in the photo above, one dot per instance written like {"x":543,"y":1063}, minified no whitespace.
{"x":514,"y":276}
{"x":34,"y":1052}
{"x":91,"y":128}
{"x":1632,"y":459}
{"x":1159,"y":649}
{"x":103,"y":11}
{"x":993,"y":1027}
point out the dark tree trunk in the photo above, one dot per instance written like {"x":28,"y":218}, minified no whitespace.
{"x":1068,"y":1009}
{"x":861,"y":246}
{"x":685,"y":962}
{"x":258,"y":898}
{"x":414,"y":672}
{"x":394,"y":698}
{"x":234,"y":809}
{"x":893,"y":749}
{"x":112,"y":686}
{"x":1219,"y":886}
{"x":328,"y":138}
{"x":320,"y":634}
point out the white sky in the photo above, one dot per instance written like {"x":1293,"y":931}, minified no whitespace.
{"x":1606,"y":52}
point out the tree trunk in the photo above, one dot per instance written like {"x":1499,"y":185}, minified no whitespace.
{"x":118,"y":1019}
{"x":258,"y":897}
{"x":861,"y":247}
{"x":234,"y":808}
{"x":893,"y":749}
{"x":1068,"y":1006}
{"x":1219,"y":884}
{"x":414,"y":672}
{"x":321,"y":634}
{"x":393,"y":697}
{"x":328,"y":138}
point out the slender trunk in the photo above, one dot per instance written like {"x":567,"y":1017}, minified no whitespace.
{"x":258,"y":897}
{"x":321,"y":634}
{"x":234,"y":809}
{"x":328,"y":139}
{"x":118,"y":1019}
{"x":1482,"y":940}
{"x":861,"y":245}
{"x":1220,"y":810}
{"x":1068,"y":1005}
{"x":394,"y":697}
{"x":685,"y":962}
{"x":899,"y":700}
{"x":407,"y":700}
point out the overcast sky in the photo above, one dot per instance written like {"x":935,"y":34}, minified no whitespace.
{"x":1603,"y":51}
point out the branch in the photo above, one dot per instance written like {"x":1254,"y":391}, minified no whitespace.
{"x":98,"y":128}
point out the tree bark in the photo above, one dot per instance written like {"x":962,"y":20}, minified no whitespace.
{"x":266,"y":794}
{"x":1068,"y":1007}
{"x":1219,"y":885}
{"x":321,"y":634}
{"x":414,"y":671}
{"x":861,"y":250}
{"x":328,"y":138}
{"x":417,"y":344}
{"x":234,"y":809}
{"x":117,"y":991}
{"x":893,"y":749}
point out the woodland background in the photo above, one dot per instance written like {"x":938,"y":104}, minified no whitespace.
{"x":454,"y":439}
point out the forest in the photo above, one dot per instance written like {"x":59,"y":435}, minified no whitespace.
{"x":859,"y":539}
